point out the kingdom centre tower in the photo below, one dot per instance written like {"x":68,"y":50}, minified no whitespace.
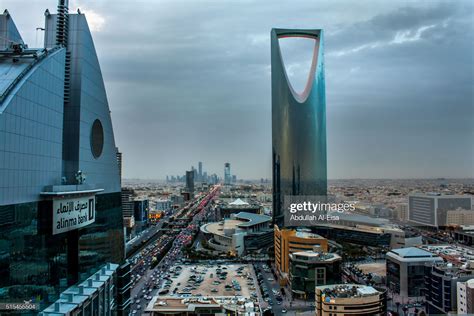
{"x":298,"y":125}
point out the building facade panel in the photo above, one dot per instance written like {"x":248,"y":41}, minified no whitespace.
{"x":31,"y":132}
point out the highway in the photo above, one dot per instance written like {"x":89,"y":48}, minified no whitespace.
{"x":150,"y":264}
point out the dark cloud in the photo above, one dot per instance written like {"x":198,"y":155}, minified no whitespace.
{"x":190,"y":80}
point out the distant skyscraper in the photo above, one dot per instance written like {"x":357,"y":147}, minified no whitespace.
{"x":227,"y":176}
{"x":119,"y":163}
{"x":298,"y":126}
{"x":190,"y":182}
{"x":127,"y":202}
{"x":200,"y":171}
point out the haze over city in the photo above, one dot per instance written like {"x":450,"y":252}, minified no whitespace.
{"x":190,"y":82}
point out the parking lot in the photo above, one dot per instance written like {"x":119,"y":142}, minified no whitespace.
{"x":210,"y":280}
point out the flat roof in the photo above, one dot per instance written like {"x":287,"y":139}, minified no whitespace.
{"x":363,"y":219}
{"x":347,"y":290}
{"x":205,"y":281}
{"x":320,"y":256}
{"x":307,"y":234}
{"x":252,"y":219}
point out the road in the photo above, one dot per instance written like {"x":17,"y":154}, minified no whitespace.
{"x":150,"y":279}
{"x":287,"y":306}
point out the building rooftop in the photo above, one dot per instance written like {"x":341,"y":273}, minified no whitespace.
{"x":73,"y":296}
{"x":454,"y":254}
{"x":439,"y":195}
{"x":347,"y":290}
{"x":316,"y":256}
{"x":238,"y":202}
{"x":412,"y":252}
{"x":362,"y":219}
{"x":181,"y":304}
{"x":211,"y":280}
{"x":251,"y":219}
{"x":302,"y":233}
{"x":190,"y":286}
{"x":241,"y":220}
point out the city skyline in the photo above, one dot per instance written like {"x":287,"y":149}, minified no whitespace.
{"x":391,"y":111}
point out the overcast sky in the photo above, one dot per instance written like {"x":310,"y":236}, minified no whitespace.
{"x":189,"y":81}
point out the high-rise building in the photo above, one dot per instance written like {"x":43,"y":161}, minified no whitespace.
{"x":350,"y":299}
{"x":288,"y":241}
{"x":190,"y":182}
{"x":141,"y":209}
{"x":127,"y":202}
{"x":298,"y":126}
{"x":227,"y":176}
{"x":431,"y":209}
{"x":119,"y":163}
{"x":200,"y":178}
{"x":60,"y":189}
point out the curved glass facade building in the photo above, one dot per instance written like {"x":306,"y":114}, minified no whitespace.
{"x":298,"y":126}
{"x":60,"y":203}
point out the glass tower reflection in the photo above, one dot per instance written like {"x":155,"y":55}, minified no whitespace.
{"x":298,"y":126}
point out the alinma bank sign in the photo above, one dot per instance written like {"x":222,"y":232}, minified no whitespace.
{"x":73,"y":213}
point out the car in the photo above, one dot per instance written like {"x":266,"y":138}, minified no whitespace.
{"x":284,"y":311}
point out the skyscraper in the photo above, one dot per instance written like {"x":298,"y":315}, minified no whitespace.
{"x":227,"y":176}
{"x":60,"y":201}
{"x":190,"y":182}
{"x":298,"y":126}
{"x":200,"y":178}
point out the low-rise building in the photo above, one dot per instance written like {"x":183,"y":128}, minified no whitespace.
{"x":243,"y":231}
{"x":406,"y":270}
{"x":441,"y":286}
{"x":366,"y":230}
{"x":350,"y":299}
{"x":225,"y":210}
{"x":163,"y":205}
{"x":459,"y":217}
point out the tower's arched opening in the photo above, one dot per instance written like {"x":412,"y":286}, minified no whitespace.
{"x":297,"y":55}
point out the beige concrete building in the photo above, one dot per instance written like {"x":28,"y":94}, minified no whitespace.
{"x":349,"y":299}
{"x":289,"y":241}
{"x":460,"y":217}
